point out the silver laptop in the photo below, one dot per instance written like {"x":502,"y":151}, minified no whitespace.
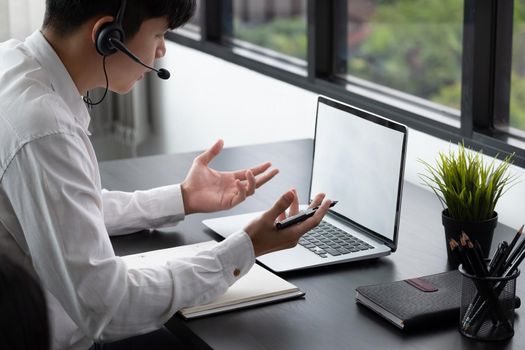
{"x":358,"y":160}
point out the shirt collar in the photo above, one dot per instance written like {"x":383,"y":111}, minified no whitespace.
{"x":61,"y":81}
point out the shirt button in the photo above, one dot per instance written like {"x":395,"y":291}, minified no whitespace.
{"x":236,"y":272}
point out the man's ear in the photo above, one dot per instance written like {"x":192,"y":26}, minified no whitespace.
{"x":98,"y":24}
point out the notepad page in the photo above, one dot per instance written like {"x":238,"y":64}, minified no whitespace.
{"x":258,"y":283}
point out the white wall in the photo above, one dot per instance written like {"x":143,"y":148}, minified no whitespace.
{"x":19,"y":18}
{"x":208,"y":98}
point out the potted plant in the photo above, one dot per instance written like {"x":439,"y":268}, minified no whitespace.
{"x":469,"y":189}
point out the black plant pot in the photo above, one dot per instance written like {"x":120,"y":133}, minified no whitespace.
{"x":480,"y":231}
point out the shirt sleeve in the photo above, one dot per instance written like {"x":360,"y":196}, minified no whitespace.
{"x":53,"y":189}
{"x":126,"y":212}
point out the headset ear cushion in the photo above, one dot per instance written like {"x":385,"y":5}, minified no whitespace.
{"x":106,"y":32}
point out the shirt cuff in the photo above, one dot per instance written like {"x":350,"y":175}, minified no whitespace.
{"x":166,"y":201}
{"x":236,"y":255}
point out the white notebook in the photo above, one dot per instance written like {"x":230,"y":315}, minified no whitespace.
{"x":258,"y":286}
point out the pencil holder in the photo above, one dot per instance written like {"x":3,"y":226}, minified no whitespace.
{"x":487,"y":306}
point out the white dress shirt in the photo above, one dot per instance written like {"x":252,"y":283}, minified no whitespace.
{"x":55,"y":218}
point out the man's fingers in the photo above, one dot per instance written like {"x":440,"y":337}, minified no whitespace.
{"x":318,"y":199}
{"x":294,"y":207}
{"x":256,"y":171}
{"x":261,"y":180}
{"x":259,"y":169}
{"x":280,"y":206}
{"x":313,"y":221}
{"x":251,"y":183}
{"x":240,"y":195}
{"x":207,"y":156}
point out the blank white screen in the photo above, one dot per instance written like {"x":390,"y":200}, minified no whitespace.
{"x":358,"y":162}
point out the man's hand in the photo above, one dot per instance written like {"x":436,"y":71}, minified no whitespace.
{"x":207,"y":190}
{"x":265,"y":236}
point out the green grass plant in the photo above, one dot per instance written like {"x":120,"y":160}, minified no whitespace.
{"x":467,"y":186}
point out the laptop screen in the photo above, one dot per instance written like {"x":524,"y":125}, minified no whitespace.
{"x":359,"y":161}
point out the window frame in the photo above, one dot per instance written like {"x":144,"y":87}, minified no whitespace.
{"x":485,"y":74}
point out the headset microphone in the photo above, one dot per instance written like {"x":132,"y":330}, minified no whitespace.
{"x":161,"y":73}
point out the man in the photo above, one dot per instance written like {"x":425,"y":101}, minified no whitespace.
{"x":53,"y":214}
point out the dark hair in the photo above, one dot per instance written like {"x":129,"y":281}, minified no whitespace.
{"x":65,"y":16}
{"x":24,"y":323}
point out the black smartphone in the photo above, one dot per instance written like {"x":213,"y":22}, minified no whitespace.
{"x":300,"y":216}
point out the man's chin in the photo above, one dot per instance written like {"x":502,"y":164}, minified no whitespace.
{"x":122,"y":90}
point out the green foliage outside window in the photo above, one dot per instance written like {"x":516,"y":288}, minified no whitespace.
{"x":517,"y":87}
{"x":413,"y":46}
{"x":284,"y":35}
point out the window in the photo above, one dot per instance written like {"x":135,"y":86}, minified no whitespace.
{"x":413,"y":47}
{"x":517,"y":92}
{"x":454,"y":69}
{"x":271,"y":28}
{"x":192,"y":29}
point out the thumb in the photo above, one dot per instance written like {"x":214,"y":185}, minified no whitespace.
{"x":208,"y":155}
{"x":280,"y":205}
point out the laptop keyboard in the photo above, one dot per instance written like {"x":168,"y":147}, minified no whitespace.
{"x":327,"y":240}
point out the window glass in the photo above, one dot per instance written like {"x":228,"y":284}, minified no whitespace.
{"x":517,"y":90}
{"x":279,"y":26}
{"x":4,"y":20}
{"x":196,"y":19}
{"x":408,"y":48}
{"x":192,"y":29}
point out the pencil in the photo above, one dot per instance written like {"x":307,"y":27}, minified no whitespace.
{"x":455,"y":248}
{"x":504,"y":263}
{"x":516,"y":238}
{"x":516,"y":263}
{"x":498,"y":259}
{"x":516,"y":251}
{"x":484,"y":288}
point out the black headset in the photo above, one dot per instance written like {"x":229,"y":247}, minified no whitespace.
{"x":110,"y":39}
{"x":111,"y":31}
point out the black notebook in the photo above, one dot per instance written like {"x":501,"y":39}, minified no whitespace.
{"x":432,"y":300}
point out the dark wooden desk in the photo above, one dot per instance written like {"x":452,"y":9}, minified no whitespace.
{"x":328,"y":318}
